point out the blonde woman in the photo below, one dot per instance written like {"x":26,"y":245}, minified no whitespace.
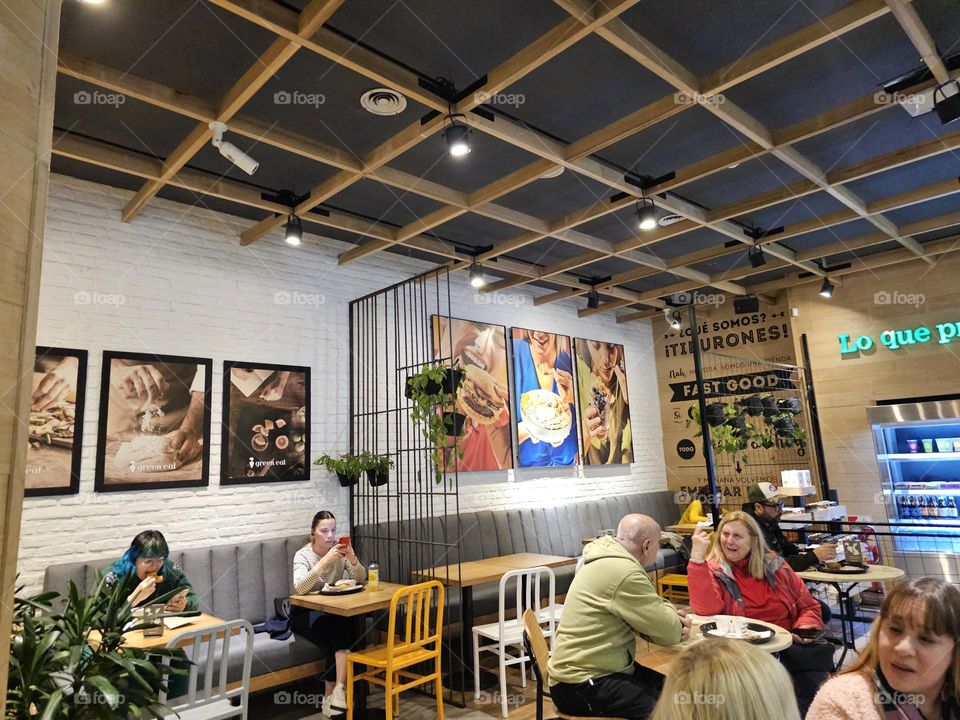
{"x":910,"y":670}
{"x":736,"y":574}
{"x":726,"y":680}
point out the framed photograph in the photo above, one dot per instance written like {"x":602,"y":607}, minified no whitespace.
{"x":56,"y":422}
{"x":544,"y":400}
{"x":483,"y":400}
{"x":154,"y":422}
{"x":604,"y":405}
{"x":266,"y":423}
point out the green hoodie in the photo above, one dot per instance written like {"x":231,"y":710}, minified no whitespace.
{"x":610,"y":602}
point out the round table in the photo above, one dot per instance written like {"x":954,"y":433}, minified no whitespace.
{"x":844,"y":585}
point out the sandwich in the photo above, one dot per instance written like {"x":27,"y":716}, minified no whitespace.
{"x":481,"y":397}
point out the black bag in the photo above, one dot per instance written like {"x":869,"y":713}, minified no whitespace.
{"x":281,"y":608}
{"x":813,"y":657}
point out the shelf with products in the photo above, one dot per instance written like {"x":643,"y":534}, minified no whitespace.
{"x":920,"y":457}
{"x":947,"y":487}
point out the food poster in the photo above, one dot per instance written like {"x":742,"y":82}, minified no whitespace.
{"x":604,"y":402}
{"x":266,"y":423}
{"x":154,"y":429}
{"x":483,"y":400}
{"x":544,"y":399}
{"x":56,"y":422}
{"x":740,"y":346}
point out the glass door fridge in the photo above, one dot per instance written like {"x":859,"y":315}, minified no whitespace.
{"x":918,"y":456}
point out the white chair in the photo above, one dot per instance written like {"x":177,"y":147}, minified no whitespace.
{"x":558,"y":607}
{"x":507,"y":634}
{"x":208,"y":649}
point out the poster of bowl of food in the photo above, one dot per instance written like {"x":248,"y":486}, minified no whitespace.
{"x":56,"y":422}
{"x":604,"y":403}
{"x":154,"y":428}
{"x":480,"y":349}
{"x":266,"y":421}
{"x":545,"y":399}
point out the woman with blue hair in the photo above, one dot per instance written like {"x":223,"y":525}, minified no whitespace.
{"x":148,"y":560}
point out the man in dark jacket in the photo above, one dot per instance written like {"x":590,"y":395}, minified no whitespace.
{"x":766,"y":506}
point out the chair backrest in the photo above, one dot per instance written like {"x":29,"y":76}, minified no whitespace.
{"x":537,"y":644}
{"x":414,"y":607}
{"x":579,"y":565}
{"x":529,"y":592}
{"x":208,"y":650}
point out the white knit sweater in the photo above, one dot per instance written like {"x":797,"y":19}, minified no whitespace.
{"x":307,"y":579}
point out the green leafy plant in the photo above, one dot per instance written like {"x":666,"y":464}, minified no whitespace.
{"x":347,"y":468}
{"x":433,"y":391}
{"x":73,"y":662}
{"x":377,"y":467}
{"x":732,"y":436}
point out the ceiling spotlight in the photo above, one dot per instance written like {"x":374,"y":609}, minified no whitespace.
{"x":948,"y":108}
{"x":826,"y":290}
{"x":756,"y":256}
{"x":672,"y":317}
{"x":457,"y":136}
{"x":293,"y":231}
{"x":646,"y":214}
{"x":593,"y":300}
{"x":230,"y":151}
{"x":477,"y":278}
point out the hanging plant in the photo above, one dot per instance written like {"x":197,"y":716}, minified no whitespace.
{"x":377,"y":468}
{"x":769,"y":405}
{"x":347,"y":468}
{"x":790,"y":405}
{"x":732,"y":436}
{"x":752,"y":405}
{"x":433,"y":391}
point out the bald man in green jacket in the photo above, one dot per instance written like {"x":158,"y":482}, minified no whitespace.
{"x":610,"y":602}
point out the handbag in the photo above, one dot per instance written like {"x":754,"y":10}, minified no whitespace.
{"x":281,"y":608}
{"x":813,"y":657}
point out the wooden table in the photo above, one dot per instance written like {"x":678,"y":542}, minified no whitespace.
{"x":682,"y":528}
{"x":660,"y":659}
{"x":845,"y":585}
{"x":135,"y":638}
{"x":355,"y":605}
{"x":477,"y":572}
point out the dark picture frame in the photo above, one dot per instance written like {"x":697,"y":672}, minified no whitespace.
{"x":43,"y":358}
{"x":178,"y":371}
{"x":242,"y":412}
{"x":449,"y":339}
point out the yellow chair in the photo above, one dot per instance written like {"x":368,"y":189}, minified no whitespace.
{"x":417,"y":641}
{"x":673,"y":587}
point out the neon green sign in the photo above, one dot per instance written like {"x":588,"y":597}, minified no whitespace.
{"x":896,"y":339}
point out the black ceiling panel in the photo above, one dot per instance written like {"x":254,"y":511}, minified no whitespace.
{"x":831,"y":235}
{"x":751,"y":178}
{"x":917,"y":175}
{"x":793,"y":211}
{"x":552,"y":198}
{"x":940,"y":207}
{"x":380,"y":202}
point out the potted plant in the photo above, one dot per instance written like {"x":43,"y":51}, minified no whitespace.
{"x":72,"y":662}
{"x":347,"y":468}
{"x":731,"y":436}
{"x":433,"y":390}
{"x":377,"y":468}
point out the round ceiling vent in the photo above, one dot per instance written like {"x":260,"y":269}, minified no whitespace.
{"x":383,"y":101}
{"x":555,"y":172}
{"x":670,"y":219}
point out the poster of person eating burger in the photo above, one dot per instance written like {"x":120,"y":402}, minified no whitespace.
{"x":604,"y":403}
{"x":545,"y":405}
{"x":483,"y":398}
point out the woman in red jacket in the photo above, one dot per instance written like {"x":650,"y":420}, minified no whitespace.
{"x":736,"y":574}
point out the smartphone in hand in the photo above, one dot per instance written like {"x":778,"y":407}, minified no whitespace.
{"x":344,"y":540}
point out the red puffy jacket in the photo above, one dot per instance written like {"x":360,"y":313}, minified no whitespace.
{"x":780,"y":598}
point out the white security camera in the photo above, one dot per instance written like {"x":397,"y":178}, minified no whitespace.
{"x":230,"y":151}
{"x":672,"y":317}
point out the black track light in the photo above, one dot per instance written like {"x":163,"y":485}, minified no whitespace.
{"x":477,"y":278}
{"x":756,"y":256}
{"x":293,"y":231}
{"x":646,"y":214}
{"x":826,"y":290}
{"x":948,"y":106}
{"x":593,"y":299}
{"x":457,"y":136}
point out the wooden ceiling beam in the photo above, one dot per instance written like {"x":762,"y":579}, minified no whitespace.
{"x":281,"y":50}
{"x":913,"y":26}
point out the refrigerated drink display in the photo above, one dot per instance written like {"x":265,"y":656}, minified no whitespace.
{"x":919,"y":463}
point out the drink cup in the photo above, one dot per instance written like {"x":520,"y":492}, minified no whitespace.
{"x":944,"y":444}
{"x":927,"y":445}
{"x":913,"y":446}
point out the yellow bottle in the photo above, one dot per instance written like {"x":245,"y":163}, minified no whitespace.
{"x":373,"y":576}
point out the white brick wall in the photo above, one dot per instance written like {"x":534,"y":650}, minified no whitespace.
{"x":180,"y":283}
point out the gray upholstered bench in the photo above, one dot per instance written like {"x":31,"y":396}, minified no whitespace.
{"x":238,"y":580}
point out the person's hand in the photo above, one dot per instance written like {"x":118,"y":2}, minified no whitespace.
{"x":801,"y":640}
{"x":685,"y":624}
{"x":349,"y":554}
{"x":185,"y":443}
{"x":700,"y":544}
{"x":564,"y":382}
{"x":177,"y":603}
{"x":141,"y":381}
{"x":274,"y":389}
{"x":826,"y":552}
{"x":57,"y":385}
{"x":621,"y":382}
{"x":595,"y":426}
{"x":141,"y":592}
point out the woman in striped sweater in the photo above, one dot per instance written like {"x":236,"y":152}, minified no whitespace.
{"x":319,"y":562}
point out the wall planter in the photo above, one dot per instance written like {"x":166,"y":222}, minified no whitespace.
{"x":433,"y":391}
{"x":347,"y":468}
{"x":436,"y":380}
{"x":376,"y":467}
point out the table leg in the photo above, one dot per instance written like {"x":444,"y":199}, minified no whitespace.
{"x":846,"y":620}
